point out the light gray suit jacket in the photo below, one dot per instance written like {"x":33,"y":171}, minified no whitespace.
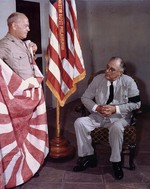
{"x":14,"y":53}
{"x":125,"y":90}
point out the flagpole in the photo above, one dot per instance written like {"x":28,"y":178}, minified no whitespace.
{"x":59,"y":146}
{"x":65,"y":65}
{"x":57,"y":119}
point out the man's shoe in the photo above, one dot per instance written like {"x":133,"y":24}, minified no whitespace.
{"x":85,"y":162}
{"x":118,"y":172}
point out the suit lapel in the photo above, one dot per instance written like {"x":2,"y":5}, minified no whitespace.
{"x":103,"y":91}
{"x":119,"y":86}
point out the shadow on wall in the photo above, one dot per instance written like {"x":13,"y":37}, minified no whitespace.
{"x":131,"y":71}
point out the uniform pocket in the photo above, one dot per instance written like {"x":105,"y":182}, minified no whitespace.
{"x":19,"y":59}
{"x":19,"y":56}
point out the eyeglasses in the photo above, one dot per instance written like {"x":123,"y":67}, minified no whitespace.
{"x":110,"y":69}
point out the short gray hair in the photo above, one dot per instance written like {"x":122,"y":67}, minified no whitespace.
{"x":14,"y":17}
{"x":122,"y":64}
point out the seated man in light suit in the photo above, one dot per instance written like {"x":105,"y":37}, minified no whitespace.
{"x":111,"y":108}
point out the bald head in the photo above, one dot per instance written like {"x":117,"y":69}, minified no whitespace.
{"x":18,"y":25}
{"x":14,"y":17}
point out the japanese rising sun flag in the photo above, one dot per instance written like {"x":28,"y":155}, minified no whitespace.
{"x":65,"y":66}
{"x":23,"y":127}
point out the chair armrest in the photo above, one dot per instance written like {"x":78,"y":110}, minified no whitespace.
{"x":135,"y":115}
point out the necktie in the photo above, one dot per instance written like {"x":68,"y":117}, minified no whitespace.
{"x":111,"y":93}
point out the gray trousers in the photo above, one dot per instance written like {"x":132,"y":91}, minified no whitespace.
{"x":84,"y":126}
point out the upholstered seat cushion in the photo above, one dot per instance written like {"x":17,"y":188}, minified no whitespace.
{"x":100,"y":135}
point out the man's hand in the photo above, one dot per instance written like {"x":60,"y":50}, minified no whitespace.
{"x":33,"y":46}
{"x":106,"y":110}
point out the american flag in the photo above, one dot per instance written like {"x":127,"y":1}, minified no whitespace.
{"x":65,"y":66}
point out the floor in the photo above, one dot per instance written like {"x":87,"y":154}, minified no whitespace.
{"x":57,"y":173}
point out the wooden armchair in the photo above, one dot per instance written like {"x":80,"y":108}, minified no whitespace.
{"x":100,"y":135}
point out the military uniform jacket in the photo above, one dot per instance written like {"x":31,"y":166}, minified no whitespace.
{"x":15,"y":54}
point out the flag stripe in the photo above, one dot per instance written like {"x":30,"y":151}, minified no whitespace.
{"x":64,"y":72}
{"x":23,"y":126}
{"x":54,"y":85}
